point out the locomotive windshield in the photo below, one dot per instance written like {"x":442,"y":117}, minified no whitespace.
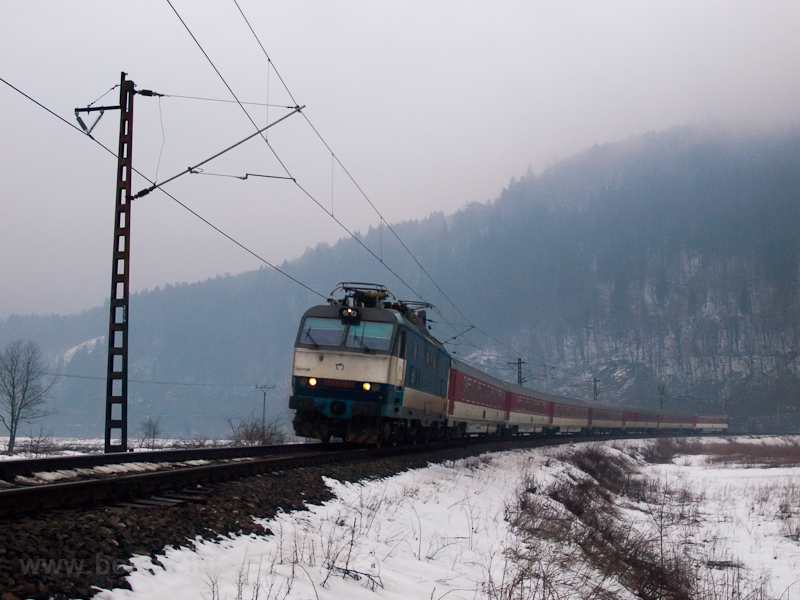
{"x":366,"y":335}
{"x":369,"y":335}
{"x":322,"y":332}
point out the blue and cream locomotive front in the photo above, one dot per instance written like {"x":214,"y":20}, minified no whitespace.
{"x":345,"y":371}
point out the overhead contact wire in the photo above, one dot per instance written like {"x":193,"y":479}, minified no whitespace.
{"x":336,"y":158}
{"x":306,"y":192}
{"x":266,"y":54}
{"x":266,"y":262}
{"x":226,"y":101}
{"x":143,"y":176}
{"x":269,"y":60}
{"x":245,"y":385}
{"x":213,"y":66}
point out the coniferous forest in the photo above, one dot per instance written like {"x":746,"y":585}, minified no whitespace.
{"x":668,"y":260}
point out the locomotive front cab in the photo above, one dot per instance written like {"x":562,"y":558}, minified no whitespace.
{"x":345,"y":370}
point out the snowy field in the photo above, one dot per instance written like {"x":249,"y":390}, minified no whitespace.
{"x":33,"y":447}
{"x":498,"y":527}
{"x":44,"y":447}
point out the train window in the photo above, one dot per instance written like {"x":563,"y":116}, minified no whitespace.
{"x":433,"y":359}
{"x":322,"y":332}
{"x":401,"y":345}
{"x":369,"y":335}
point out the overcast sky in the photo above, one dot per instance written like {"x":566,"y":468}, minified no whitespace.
{"x":429,"y":105}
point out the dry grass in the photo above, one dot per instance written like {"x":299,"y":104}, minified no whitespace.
{"x":752,"y":455}
{"x":576,"y":540}
{"x":726,"y":453}
{"x":574,"y":537}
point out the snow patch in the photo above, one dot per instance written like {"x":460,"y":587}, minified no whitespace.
{"x":89,"y":345}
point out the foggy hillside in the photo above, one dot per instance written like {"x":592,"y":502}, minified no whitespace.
{"x":669,"y":258}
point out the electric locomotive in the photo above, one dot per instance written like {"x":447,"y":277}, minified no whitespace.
{"x":366,"y":370}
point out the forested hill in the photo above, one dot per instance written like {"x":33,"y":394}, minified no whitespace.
{"x":671,"y":258}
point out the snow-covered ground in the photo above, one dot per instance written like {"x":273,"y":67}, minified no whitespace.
{"x":50,"y":446}
{"x":444,"y":532}
{"x":55,"y":446}
{"x":747,"y":516}
{"x":42,"y":477}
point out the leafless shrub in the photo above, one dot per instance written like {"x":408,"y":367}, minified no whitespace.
{"x":252,"y":581}
{"x":662,"y":451}
{"x":198,"y":442}
{"x":574,"y":538}
{"x":731,"y":581}
{"x":212,"y":583}
{"x":791,"y":591}
{"x":560,"y":545}
{"x":610,"y":471}
{"x":252,"y":432}
{"x":338,"y":552}
{"x":150,"y":430}
{"x":39,"y":442}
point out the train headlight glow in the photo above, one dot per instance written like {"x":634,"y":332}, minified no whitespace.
{"x":366,"y":386}
{"x":312,"y":381}
{"x":349,"y":314}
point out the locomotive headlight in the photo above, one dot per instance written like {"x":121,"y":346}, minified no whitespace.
{"x":304,"y":381}
{"x":366,"y":386}
{"x":349,"y":314}
{"x":312,"y":381}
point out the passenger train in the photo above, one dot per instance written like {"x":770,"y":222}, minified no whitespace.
{"x":367,"y":370}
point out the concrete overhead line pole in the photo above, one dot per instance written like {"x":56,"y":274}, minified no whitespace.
{"x":116,"y":429}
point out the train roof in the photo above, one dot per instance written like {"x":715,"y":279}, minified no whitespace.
{"x":409,"y":318}
{"x":372,"y":300}
{"x":331,"y":311}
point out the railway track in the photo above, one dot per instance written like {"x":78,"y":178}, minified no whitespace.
{"x":170,"y":476}
{"x":176,"y":476}
{"x":110,"y":527}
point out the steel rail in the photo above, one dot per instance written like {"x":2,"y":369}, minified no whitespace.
{"x":107,"y":490}
{"x":117,"y":488}
{"x":9,"y":469}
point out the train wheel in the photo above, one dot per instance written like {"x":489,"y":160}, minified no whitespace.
{"x":384,"y":435}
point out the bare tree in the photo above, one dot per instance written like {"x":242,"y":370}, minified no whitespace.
{"x":24,"y":386}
